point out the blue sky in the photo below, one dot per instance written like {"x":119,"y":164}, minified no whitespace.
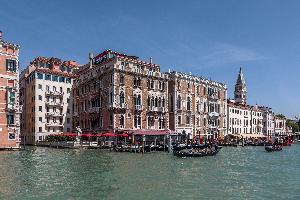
{"x":208,"y":38}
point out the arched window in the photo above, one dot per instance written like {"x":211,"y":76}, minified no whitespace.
{"x":179,"y":102}
{"x":149,"y":101}
{"x":159,"y":102}
{"x":139,"y":100}
{"x":122,"y":98}
{"x":122,"y":121}
{"x":188,"y":103}
{"x":152,"y":101}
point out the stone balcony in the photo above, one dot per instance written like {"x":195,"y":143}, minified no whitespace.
{"x":54,"y":93}
{"x":54,"y":103}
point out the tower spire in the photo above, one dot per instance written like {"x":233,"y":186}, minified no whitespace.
{"x":240,"y":91}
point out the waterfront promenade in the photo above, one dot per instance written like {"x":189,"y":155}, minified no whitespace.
{"x":235,"y":173}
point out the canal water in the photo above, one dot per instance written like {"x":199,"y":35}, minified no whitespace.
{"x":235,"y":173}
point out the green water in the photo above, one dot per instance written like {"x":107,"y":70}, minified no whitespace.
{"x":235,"y":173}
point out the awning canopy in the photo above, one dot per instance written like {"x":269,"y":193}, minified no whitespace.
{"x":108,"y":135}
{"x":252,"y":135}
{"x":151,"y":132}
{"x":122,"y":135}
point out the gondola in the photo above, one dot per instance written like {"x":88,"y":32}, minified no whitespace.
{"x":199,"y":153}
{"x":272,"y":148}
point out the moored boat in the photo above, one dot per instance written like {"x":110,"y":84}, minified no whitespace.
{"x":198,"y":152}
{"x":271,"y":148}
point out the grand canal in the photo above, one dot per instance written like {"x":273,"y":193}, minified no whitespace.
{"x":235,"y":173}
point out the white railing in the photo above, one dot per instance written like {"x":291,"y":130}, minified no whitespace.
{"x":138,"y":107}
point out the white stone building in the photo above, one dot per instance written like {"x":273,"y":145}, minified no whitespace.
{"x":45,"y":94}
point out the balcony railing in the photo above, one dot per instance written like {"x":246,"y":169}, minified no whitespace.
{"x":54,"y":103}
{"x":138,"y":107}
{"x":123,"y":105}
{"x":54,"y":124}
{"x":94,"y":110}
{"x":213,"y":114}
{"x":56,"y":93}
{"x":54,"y":114}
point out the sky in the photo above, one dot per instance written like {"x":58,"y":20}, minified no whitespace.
{"x":209,"y":38}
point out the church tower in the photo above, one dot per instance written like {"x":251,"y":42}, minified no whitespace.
{"x":240,"y":89}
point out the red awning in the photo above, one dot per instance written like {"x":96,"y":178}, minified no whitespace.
{"x":151,"y":132}
{"x":108,"y":135}
{"x":122,"y":135}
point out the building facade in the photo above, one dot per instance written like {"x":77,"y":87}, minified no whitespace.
{"x":280,"y":125}
{"x":243,"y":118}
{"x":117,"y":92}
{"x":197,"y":106}
{"x":268,"y":121}
{"x":45,"y":97}
{"x":9,"y":95}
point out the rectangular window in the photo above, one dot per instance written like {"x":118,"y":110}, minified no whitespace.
{"x":55,"y":78}
{"x":68,"y":90}
{"x":54,"y":89}
{"x":40,"y":108}
{"x":12,"y":97}
{"x":48,"y":77}
{"x":11,"y":65}
{"x":61,"y":79}
{"x":40,"y":76}
{"x":40,"y":119}
{"x":10,"y":119}
{"x":40,"y":97}
{"x":40,"y":87}
{"x":11,"y":136}
{"x":40,"y":129}
{"x":68,"y":80}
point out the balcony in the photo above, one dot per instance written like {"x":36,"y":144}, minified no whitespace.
{"x":54,"y":103}
{"x":55,"y":114}
{"x":123,"y":105}
{"x":161,"y":109}
{"x":54,"y":93}
{"x":213,"y":114}
{"x":51,"y":124}
{"x":138,"y":107}
{"x":94,"y":110}
{"x":150,"y":108}
{"x":12,"y":107}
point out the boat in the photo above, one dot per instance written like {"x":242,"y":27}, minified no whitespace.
{"x":271,"y":148}
{"x":195,"y":152}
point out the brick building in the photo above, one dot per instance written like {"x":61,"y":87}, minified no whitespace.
{"x":197,"y":106}
{"x":9,"y":95}
{"x":45,"y":96}
{"x":117,"y":92}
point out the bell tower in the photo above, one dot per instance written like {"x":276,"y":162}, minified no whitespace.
{"x":240,"y":92}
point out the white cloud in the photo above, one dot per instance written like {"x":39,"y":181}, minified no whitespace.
{"x":222,"y":53}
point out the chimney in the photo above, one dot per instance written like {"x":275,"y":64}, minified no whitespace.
{"x":150,"y":60}
{"x":91,"y":59}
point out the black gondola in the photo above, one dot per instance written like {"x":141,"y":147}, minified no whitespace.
{"x":270,"y":148}
{"x":198,"y":152}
